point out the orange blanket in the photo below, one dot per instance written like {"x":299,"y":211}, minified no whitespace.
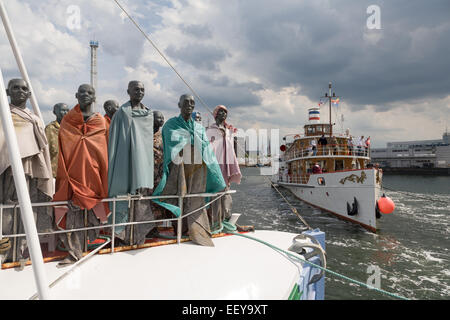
{"x":82,"y":174}
{"x":108,"y":122}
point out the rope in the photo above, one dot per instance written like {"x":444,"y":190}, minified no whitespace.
{"x":199,"y":98}
{"x":162,"y":55}
{"x":322,"y":268}
{"x":293,"y":209}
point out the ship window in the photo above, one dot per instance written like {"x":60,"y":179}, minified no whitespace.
{"x":338,"y":165}
{"x":321,"y":181}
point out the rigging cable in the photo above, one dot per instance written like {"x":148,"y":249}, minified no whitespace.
{"x":200,"y":99}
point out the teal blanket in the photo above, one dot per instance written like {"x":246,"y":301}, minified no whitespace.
{"x":176,"y":133}
{"x":130,"y":156}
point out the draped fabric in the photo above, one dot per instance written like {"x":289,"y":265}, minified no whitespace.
{"x":35,"y":156}
{"x":33,"y":149}
{"x":51,"y":131}
{"x":176,"y":134}
{"x":131,"y":164}
{"x":222,"y":143}
{"x":108,"y":122}
{"x":82,"y":174}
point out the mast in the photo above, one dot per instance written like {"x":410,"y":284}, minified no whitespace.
{"x":329,"y":97}
{"x":26,"y":211}
{"x":23,"y":196}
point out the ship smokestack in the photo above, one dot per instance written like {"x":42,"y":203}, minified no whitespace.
{"x":314,"y":115}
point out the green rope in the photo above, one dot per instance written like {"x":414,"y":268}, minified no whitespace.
{"x":225,"y":225}
{"x":322,"y":268}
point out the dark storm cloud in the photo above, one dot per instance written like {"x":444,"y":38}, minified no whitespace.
{"x":312,"y":43}
{"x":205,"y":57}
{"x":221,"y":90}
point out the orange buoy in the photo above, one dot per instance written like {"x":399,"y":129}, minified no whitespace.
{"x":385,"y":204}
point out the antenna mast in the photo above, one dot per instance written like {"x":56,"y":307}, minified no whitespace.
{"x":94,"y":46}
{"x":329,"y":96}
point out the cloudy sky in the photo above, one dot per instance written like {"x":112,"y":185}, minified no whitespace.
{"x":268,"y":61}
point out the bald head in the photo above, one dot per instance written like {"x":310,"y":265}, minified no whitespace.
{"x":60,"y":110}
{"x":111,"y":107}
{"x":136,"y":92}
{"x":158,"y":120}
{"x":19,"y":92}
{"x":85,"y":96}
{"x":186,"y":105}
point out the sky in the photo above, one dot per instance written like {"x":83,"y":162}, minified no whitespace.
{"x":268,"y":61}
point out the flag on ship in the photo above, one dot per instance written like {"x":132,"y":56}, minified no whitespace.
{"x":335,"y":102}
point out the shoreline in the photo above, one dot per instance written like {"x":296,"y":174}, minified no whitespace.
{"x":417,"y":171}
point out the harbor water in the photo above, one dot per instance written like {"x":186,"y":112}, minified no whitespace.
{"x":409,"y":255}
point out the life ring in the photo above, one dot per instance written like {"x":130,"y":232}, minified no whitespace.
{"x":297,"y":136}
{"x":352,"y":210}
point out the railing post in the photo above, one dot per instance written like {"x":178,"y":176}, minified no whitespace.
{"x":114,"y":225}
{"x":179,"y":221}
{"x":1,"y":221}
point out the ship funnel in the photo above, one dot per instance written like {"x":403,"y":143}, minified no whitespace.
{"x":314,"y":115}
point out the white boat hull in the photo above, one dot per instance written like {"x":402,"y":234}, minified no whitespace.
{"x":340,"y":188}
{"x":235,"y":268}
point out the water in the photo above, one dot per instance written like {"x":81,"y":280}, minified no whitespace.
{"x":411,"y":248}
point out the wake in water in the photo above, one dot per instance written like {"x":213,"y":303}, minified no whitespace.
{"x":410,"y":249}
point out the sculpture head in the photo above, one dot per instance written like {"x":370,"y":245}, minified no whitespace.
{"x":220,"y":114}
{"x":158,"y":120}
{"x":136,"y":92}
{"x":186,"y":105}
{"x":85,"y":96}
{"x":19,"y":92}
{"x":60,"y":110}
{"x":110,"y":107}
{"x":197,"y":116}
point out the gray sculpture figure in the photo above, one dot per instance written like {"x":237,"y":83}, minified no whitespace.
{"x":35,"y":156}
{"x":189,"y":176}
{"x":52,"y":131}
{"x":131,"y":164}
{"x":110,"y":107}
{"x":221,"y":136}
{"x":158,"y":120}
{"x":83,"y":157}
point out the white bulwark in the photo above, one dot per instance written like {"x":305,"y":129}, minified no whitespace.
{"x":414,"y":154}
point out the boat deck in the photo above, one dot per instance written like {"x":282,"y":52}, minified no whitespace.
{"x":236,"y":268}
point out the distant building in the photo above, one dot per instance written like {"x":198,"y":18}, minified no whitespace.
{"x":414,"y":154}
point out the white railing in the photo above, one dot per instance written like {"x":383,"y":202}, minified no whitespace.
{"x":295,"y":179}
{"x":113,"y":225}
{"x":328,"y":150}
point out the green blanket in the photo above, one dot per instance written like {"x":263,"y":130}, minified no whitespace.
{"x":130,"y":156}
{"x":176,"y":133}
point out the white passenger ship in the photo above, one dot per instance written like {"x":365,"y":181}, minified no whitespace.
{"x":344,"y":185}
